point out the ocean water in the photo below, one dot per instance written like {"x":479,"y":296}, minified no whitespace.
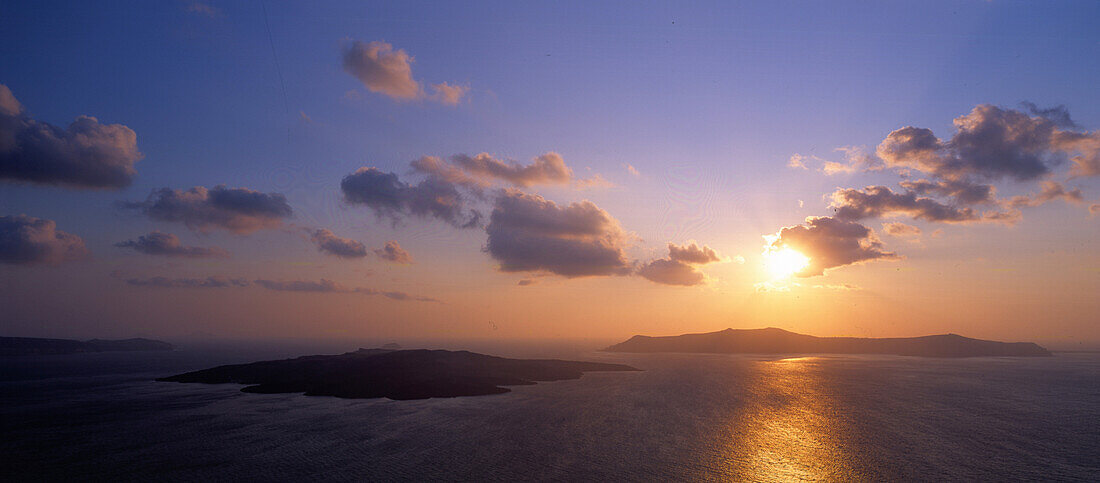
{"x":685,"y":417}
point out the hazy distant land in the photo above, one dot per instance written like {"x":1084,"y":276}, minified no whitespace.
{"x":23,"y":346}
{"x":394,"y":374}
{"x":778,"y":341}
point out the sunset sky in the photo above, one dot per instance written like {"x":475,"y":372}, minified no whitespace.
{"x":555,"y":170}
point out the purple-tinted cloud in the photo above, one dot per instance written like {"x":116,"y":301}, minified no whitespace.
{"x":528,"y":233}
{"x":238,"y":210}
{"x":168,"y":245}
{"x":328,"y":242}
{"x":25,"y":240}
{"x":86,"y":154}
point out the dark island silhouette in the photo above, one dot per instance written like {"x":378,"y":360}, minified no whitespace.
{"x":25,"y":346}
{"x":778,"y":341}
{"x":394,"y":374}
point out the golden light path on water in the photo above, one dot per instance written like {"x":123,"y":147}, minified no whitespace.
{"x":789,"y":429}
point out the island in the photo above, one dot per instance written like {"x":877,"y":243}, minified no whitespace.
{"x":394,"y":374}
{"x":26,"y":346}
{"x":778,"y":341}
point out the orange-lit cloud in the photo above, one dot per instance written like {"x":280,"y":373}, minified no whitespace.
{"x":829,"y":243}
{"x":392,"y":252}
{"x":388,"y":71}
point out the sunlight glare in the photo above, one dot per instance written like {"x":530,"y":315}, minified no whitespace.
{"x":785,"y":262}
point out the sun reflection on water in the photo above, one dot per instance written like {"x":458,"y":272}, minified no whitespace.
{"x":788,"y":430}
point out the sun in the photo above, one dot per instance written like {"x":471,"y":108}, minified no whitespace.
{"x":785,"y":262}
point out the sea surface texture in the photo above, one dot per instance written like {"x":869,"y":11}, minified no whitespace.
{"x":685,"y":417}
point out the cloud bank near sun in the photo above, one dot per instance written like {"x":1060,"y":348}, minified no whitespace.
{"x":944,"y":181}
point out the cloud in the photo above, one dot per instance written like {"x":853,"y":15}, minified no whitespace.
{"x":321,"y":286}
{"x":878,"y":201}
{"x":963,"y":192}
{"x":528,"y":233}
{"x":328,"y":242}
{"x":167,"y":244}
{"x":208,"y":282}
{"x":1051,"y":190}
{"x":1059,"y":115}
{"x":203,"y":9}
{"x":394,"y":253}
{"x":993,"y":143}
{"x":527,"y":281}
{"x":692,"y":253}
{"x":86,"y":154}
{"x":483,"y":170}
{"x":595,"y":181}
{"x":328,"y":286}
{"x":238,"y":210}
{"x":388,"y":71}
{"x":382,"y":69}
{"x":843,"y":287}
{"x":829,"y":243}
{"x":855,"y":159}
{"x":449,"y":94}
{"x":799,"y":161}
{"x":632,"y":170}
{"x":388,"y":196}
{"x":901,"y":230}
{"x":1094,"y":208}
{"x":1085,"y":148}
{"x":681,"y":266}
{"x":25,"y":240}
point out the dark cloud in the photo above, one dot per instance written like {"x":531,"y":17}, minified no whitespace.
{"x":878,"y":201}
{"x":25,"y":240}
{"x":989,"y":143}
{"x":681,"y":266}
{"x":328,"y":242}
{"x":167,"y":244}
{"x":962,"y":191}
{"x":208,"y":282}
{"x":1059,"y":115}
{"x":388,"y":71}
{"x":830,"y":243}
{"x":394,"y":253}
{"x":328,"y":286}
{"x":86,"y":154}
{"x":1094,"y":208}
{"x":388,"y":196}
{"x":527,"y":281}
{"x":238,"y":210}
{"x":529,"y":233}
{"x":323,"y":285}
{"x":692,"y":253}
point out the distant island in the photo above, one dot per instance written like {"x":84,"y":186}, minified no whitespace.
{"x":25,"y":346}
{"x":779,"y":341}
{"x":394,"y":374}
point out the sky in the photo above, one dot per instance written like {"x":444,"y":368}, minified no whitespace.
{"x":556,"y":170}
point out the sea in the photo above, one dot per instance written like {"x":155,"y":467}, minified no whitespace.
{"x":683,"y":417}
